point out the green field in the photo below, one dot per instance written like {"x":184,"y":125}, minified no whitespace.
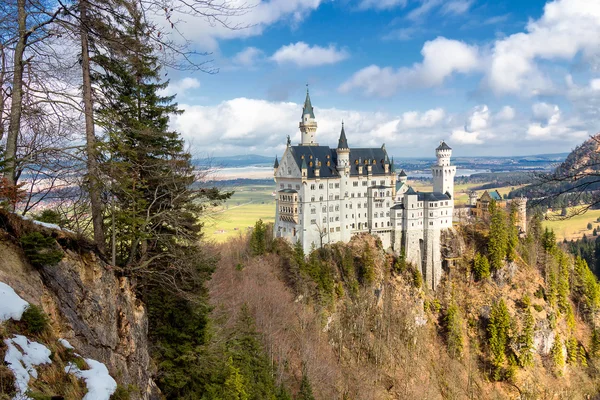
{"x":247,"y":205}
{"x":574,"y":227}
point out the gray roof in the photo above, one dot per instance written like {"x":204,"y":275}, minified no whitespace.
{"x":443,"y":146}
{"x":410,"y":191}
{"x":402,"y":173}
{"x":303,"y":155}
{"x":399,"y":185}
{"x":308,"y":108}
{"x":276,"y":165}
{"x":343,"y":142}
{"x":432,"y":196}
{"x":398,"y":206}
{"x":287,"y":191}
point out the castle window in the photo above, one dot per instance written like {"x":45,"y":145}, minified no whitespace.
{"x":364,"y":183}
{"x":324,"y":220}
{"x":374,"y":194}
{"x":297,"y":187}
{"x":337,"y":208}
{"x":313,"y":221}
{"x":330,"y":219}
{"x":431,"y":223}
{"x":330,"y":208}
{"x":281,"y":186}
{"x":337,"y":218}
{"x":324,"y":209}
{"x":375,"y":224}
{"x":337,"y":229}
{"x":312,"y":187}
{"x":331,"y":186}
{"x":337,"y":185}
{"x":330,"y":229}
{"x":289,"y":185}
{"x":373,"y":183}
{"x":382,"y":183}
{"x":312,"y":198}
{"x":320,"y":198}
{"x":365,"y":205}
{"x":355,"y":184}
{"x":337,"y":196}
{"x":352,"y":195}
{"x":313,"y":211}
{"x":320,"y":186}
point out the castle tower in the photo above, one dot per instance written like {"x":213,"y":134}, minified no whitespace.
{"x":443,"y":173}
{"x":473,"y":198}
{"x":308,"y":124}
{"x":343,"y":166}
{"x":521,"y":203}
{"x":275,"y":166}
{"x":402,"y":177}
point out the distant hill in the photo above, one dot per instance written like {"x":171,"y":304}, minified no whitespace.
{"x":236,"y":161}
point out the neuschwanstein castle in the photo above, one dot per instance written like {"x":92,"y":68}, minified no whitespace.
{"x":326,"y":195}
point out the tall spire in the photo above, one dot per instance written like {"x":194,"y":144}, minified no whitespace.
{"x":308,"y":109}
{"x":343,"y":142}
{"x":276,"y":165}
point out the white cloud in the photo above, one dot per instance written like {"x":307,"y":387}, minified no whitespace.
{"x":247,"y":57}
{"x":304,"y":55}
{"x":180,"y":87}
{"x":252,"y":17}
{"x":566,"y":28}
{"x":507,"y":113}
{"x":441,"y":58}
{"x":478,"y":120}
{"x":249,"y":125}
{"x":463,"y":137}
{"x":424,"y":9}
{"x":457,"y":7}
{"x":381,"y":4}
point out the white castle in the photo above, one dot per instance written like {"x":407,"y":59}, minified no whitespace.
{"x":327,"y":195}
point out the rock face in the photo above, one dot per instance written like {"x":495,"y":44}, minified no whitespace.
{"x":96,"y":311}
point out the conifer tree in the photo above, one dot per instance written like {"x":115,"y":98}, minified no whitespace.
{"x":581,"y":357}
{"x":498,"y":331}
{"x":454,"y":336}
{"x":258,"y":239}
{"x":234,"y":387}
{"x":512,"y":234}
{"x":481,"y":267}
{"x":305,"y":392}
{"x":527,"y":349}
{"x":557,"y":354}
{"x":595,"y":344}
{"x":572,"y":350}
{"x":498,"y":239}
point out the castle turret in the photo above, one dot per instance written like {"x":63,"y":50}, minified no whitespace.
{"x":402,"y":177}
{"x":308,"y":123}
{"x":443,"y":173}
{"x":343,"y":152}
{"x":275,"y":166}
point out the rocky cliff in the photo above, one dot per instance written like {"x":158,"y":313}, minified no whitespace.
{"x":88,"y":304}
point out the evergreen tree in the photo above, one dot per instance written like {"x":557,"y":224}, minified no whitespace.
{"x":481,"y":267}
{"x":572,"y":350}
{"x":454,"y":336}
{"x":234,"y":387}
{"x":595,"y":344}
{"x":498,"y":334}
{"x":512,"y":234}
{"x":527,"y":345}
{"x":305,"y":392}
{"x":549,"y":240}
{"x":498,"y":239}
{"x":367,"y":266}
{"x":258,"y":239}
{"x":557,"y":354}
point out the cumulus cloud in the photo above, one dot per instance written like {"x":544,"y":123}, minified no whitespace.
{"x":247,"y":57}
{"x":250,"y":125}
{"x":251,"y":18}
{"x":304,"y":55}
{"x":507,"y":113}
{"x":441,"y":58}
{"x":180,"y":87}
{"x":566,"y":28}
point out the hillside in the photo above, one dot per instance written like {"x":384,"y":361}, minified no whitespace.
{"x":571,"y":182}
{"x":355,"y":322}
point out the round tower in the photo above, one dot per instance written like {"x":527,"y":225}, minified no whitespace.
{"x":443,"y":173}
{"x":308,"y":123}
{"x":521,"y":203}
{"x":473,"y":198}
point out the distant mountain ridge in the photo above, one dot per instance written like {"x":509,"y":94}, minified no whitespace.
{"x":236,"y":161}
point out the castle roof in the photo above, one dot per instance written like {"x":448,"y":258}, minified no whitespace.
{"x":343,"y":142}
{"x":402,"y":174}
{"x":410,"y":190}
{"x":308,"y":108}
{"x":443,"y":146}
{"x":276,"y":165}
{"x":432,"y":196}
{"x":374,"y":157}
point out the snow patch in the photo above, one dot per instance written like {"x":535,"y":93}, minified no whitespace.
{"x":100,"y":384}
{"x":66,"y":344}
{"x":11,"y":305}
{"x":22,"y":364}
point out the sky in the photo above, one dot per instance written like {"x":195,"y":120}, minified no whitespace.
{"x":490,"y":77}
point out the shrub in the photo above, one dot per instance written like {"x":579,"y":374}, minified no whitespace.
{"x":454,"y":336}
{"x":589,"y":225}
{"x":50,"y":217}
{"x":7,"y":383}
{"x":417,"y":278}
{"x":40,"y":250}
{"x":124,"y":392}
{"x":34,"y":319}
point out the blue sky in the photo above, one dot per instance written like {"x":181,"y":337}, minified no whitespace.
{"x":490,"y":77}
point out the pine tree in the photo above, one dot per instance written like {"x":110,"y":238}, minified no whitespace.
{"x":595,"y":344}
{"x":557,"y":354}
{"x":498,"y":239}
{"x":498,"y":331}
{"x":512,"y":234}
{"x":234,"y":386}
{"x":258,"y":241}
{"x":305,"y":392}
{"x":581,"y":357}
{"x":481,"y":267}
{"x":527,"y":349}
{"x":572,"y":350}
{"x":454,"y":336}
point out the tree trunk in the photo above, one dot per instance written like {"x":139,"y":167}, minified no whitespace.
{"x":17,"y":95}
{"x":92,"y":160}
{"x":2,"y":93}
